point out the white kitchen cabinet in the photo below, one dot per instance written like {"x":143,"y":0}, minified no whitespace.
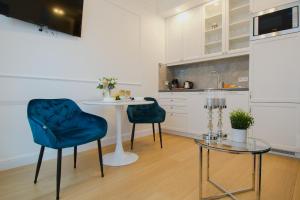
{"x":238,"y":23}
{"x":176,"y":111}
{"x":197,"y":114}
{"x":214,"y":28}
{"x":174,"y":39}
{"x":277,"y":124}
{"x":176,"y":122}
{"x":274,"y":69}
{"x":192,"y":46}
{"x":183,"y":36}
{"x":260,"y":5}
{"x":186,"y":112}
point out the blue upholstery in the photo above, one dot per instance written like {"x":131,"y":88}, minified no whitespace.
{"x":151,"y":113}
{"x":60,"y":123}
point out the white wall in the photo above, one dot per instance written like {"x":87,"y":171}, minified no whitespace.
{"x":124,"y":39}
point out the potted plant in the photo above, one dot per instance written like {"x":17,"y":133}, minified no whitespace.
{"x":240,"y":122}
{"x":107,"y":84}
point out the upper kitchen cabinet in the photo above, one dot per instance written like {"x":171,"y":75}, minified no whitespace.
{"x":183,"y":36}
{"x":174,"y":39}
{"x":213,"y":26}
{"x":192,"y":34}
{"x":239,"y":25}
{"x":220,"y":28}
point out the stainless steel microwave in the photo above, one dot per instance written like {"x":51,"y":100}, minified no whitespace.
{"x":276,"y":21}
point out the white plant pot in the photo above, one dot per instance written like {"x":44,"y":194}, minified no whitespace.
{"x":238,"y":135}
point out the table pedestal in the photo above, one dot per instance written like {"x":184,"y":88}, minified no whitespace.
{"x":119,"y":157}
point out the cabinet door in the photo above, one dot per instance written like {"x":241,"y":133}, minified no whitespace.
{"x":238,"y":24}
{"x":197,"y":114}
{"x":192,"y":33}
{"x":176,"y":122}
{"x":274,"y":69}
{"x":174,"y":39}
{"x":213,"y":26}
{"x":278,"y":124}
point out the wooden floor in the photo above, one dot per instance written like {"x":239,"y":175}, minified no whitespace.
{"x":167,"y":174}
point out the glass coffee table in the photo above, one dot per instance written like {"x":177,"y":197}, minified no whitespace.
{"x":254,"y":147}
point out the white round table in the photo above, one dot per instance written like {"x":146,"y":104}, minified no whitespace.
{"x":119,"y":157}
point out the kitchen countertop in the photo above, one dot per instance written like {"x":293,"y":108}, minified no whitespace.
{"x":202,"y":90}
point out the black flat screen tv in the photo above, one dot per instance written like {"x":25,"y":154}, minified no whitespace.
{"x":60,"y":15}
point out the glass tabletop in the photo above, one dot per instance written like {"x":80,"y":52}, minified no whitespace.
{"x":253,"y":145}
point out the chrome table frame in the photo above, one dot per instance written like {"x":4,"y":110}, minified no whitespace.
{"x":256,"y":171}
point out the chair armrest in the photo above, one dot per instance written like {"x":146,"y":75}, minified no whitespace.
{"x":41,"y":133}
{"x":162,"y":112}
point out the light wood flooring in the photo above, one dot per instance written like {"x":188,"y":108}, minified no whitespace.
{"x":170,"y":173}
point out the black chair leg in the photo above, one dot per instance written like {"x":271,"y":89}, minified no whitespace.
{"x":160,"y":135}
{"x":39,"y":164}
{"x":75,"y":156}
{"x":153,"y":130}
{"x":132,"y":135}
{"x":100,"y":157}
{"x":58,"y":172}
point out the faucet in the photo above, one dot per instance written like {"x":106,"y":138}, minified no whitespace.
{"x":219,"y":81}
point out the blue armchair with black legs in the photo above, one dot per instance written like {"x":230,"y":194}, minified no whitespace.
{"x":146,"y":114}
{"x":59,"y":124}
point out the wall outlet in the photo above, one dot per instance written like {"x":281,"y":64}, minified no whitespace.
{"x":243,"y":79}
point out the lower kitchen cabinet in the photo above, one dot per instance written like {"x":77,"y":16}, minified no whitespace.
{"x":197,"y":115}
{"x":176,"y":122}
{"x":278,"y":124}
{"x":175,"y":105}
{"x":186,"y":112}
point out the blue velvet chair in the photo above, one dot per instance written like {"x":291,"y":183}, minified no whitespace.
{"x":146,"y":114}
{"x":60,"y":123}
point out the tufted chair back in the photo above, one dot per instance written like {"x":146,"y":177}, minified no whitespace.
{"x":56,"y":114}
{"x":150,"y":113}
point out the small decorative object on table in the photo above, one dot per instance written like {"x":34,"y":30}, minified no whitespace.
{"x":107,"y":84}
{"x":240,"y":122}
{"x":215,"y":100}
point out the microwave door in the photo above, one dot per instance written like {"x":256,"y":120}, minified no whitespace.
{"x":276,"y":22}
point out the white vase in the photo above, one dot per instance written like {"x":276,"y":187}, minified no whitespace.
{"x":107,"y":95}
{"x":238,"y":135}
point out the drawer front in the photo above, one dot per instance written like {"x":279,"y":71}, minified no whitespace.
{"x":175,"y":109}
{"x":172,"y":101}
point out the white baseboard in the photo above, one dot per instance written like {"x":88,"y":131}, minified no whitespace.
{"x":179,"y":133}
{"x":49,"y":154}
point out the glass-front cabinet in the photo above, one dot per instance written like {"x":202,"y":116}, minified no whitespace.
{"x":238,"y":24}
{"x":215,"y":29}
{"x":214,"y":25}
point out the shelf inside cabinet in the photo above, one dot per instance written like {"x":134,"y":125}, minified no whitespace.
{"x":213,"y":16}
{"x":213,"y":30}
{"x":240,"y":7}
{"x":213,"y":43}
{"x":240,"y":22}
{"x":239,"y":37}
